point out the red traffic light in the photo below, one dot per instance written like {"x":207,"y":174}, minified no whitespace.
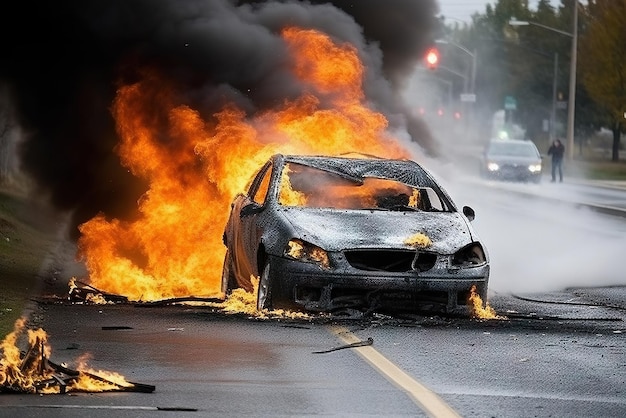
{"x":432,"y":58}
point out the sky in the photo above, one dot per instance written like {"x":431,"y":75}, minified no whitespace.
{"x":463,"y":9}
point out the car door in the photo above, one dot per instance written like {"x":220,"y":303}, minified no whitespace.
{"x":249,"y":231}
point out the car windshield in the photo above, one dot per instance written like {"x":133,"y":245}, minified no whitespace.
{"x":514,"y":149}
{"x":311,"y":187}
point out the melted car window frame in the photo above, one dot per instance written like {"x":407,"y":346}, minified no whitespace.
{"x":260,"y":186}
{"x":332,"y":189}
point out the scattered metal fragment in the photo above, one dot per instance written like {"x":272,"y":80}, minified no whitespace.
{"x":82,"y":292}
{"x":296,"y":326}
{"x":369,"y":341}
{"x":134,"y":387}
{"x":115,"y":407}
{"x":173,"y":301}
{"x":555,"y":302}
{"x":561,"y":318}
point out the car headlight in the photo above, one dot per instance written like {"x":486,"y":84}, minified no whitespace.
{"x":469,"y":256}
{"x":493,"y":166}
{"x":534,"y":168}
{"x":306,"y":252}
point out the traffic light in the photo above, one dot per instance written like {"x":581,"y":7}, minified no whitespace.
{"x":432,"y":58}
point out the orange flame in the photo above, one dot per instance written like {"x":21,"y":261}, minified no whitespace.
{"x":288,"y":196}
{"x":30,"y":372}
{"x":306,"y":186}
{"x":480,"y":310}
{"x":194,"y":168}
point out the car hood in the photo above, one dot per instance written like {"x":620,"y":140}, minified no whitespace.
{"x":336,"y":230}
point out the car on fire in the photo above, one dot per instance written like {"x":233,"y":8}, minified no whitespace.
{"x":352,"y":233}
{"x":511,"y":160}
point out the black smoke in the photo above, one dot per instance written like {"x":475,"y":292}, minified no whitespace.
{"x":63,"y":61}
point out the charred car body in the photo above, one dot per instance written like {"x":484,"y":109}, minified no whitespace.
{"x":329,"y":233}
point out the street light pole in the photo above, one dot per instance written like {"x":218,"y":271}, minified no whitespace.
{"x":571,"y":105}
{"x":472,"y":76}
{"x":469,"y":82}
{"x":553,"y":114}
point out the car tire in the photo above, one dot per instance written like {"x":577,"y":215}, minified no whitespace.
{"x":264,"y":292}
{"x":228,"y":278}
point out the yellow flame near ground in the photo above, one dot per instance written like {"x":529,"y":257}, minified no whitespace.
{"x":481,"y":310}
{"x":29,"y":373}
{"x":240,"y":301}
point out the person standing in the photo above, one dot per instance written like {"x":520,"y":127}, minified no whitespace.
{"x":557,"y":150}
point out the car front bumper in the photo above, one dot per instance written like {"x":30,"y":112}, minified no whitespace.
{"x":309,"y":287}
{"x":514,"y":173}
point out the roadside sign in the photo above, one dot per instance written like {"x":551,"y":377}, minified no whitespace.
{"x":510,"y":103}
{"x":468,"y":97}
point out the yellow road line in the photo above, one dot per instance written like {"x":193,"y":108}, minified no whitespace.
{"x":426,"y":399}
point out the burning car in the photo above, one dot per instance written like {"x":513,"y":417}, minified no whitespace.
{"x":323,"y":234}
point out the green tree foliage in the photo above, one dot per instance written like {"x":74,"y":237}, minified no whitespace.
{"x":519,"y":61}
{"x":603,"y":67}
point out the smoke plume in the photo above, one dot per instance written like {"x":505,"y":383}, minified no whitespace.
{"x":64,"y":61}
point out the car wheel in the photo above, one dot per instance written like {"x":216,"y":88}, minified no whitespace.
{"x":228,"y":278}
{"x":264,"y":294}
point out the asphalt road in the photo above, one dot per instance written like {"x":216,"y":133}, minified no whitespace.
{"x":601,"y":196}
{"x":546,"y":359}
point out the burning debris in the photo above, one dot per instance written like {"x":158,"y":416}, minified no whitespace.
{"x":241,"y":301}
{"x":32,"y":371}
{"x":238,"y":302}
{"x":83,"y":292}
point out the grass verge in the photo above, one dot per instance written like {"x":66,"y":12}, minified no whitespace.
{"x":597,"y":169}
{"x":27,"y":233}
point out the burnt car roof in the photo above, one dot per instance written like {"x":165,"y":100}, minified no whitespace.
{"x":403,"y":170}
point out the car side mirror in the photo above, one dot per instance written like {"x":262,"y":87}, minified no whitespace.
{"x":469,"y":213}
{"x":250,"y":209}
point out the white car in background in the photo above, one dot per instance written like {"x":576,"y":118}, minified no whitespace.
{"x":511,"y":160}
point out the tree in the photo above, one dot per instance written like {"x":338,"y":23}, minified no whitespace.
{"x":520,"y":62}
{"x":8,"y":139}
{"x":603,"y":67}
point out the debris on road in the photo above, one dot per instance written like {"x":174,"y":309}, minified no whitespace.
{"x":369,"y":341}
{"x":32,"y":371}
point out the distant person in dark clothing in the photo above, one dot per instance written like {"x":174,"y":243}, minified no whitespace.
{"x":557,"y":150}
